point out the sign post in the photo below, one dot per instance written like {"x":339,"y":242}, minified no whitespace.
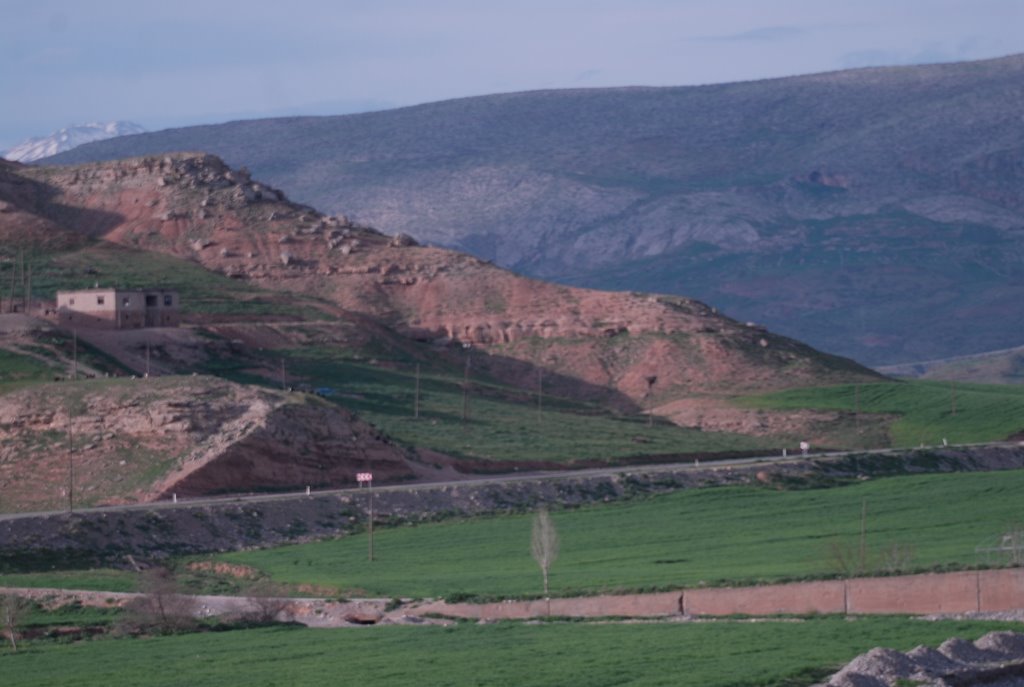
{"x":367,"y":479}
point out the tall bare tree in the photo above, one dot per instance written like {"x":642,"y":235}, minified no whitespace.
{"x":161,"y":607}
{"x":544,"y":543}
{"x":12,"y":610}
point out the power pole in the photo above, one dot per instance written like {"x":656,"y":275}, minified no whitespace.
{"x":416,"y":400}
{"x":650,"y":401}
{"x":74,"y":355}
{"x":71,"y":464}
{"x":540,"y":393}
{"x":28,"y":291}
{"x":863,"y":534}
{"x":465,"y":386}
{"x":856,"y":406}
{"x":147,"y":358}
{"x":952,"y":386}
{"x":284,"y":377}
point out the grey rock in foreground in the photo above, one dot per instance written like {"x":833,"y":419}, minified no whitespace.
{"x":995,"y":660}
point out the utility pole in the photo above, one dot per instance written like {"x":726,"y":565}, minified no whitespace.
{"x":74,"y":355}
{"x":284,"y":378}
{"x":465,"y":385}
{"x":71,"y":464}
{"x":856,"y":406}
{"x":416,"y":400}
{"x":540,"y":393}
{"x":863,"y":534}
{"x":147,"y":358}
{"x":651,"y":379}
{"x":952,"y":387}
{"x":14,"y":278}
{"x":28,"y":291}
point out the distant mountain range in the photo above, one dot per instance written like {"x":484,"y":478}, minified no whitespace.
{"x":876,"y":213}
{"x":69,"y":138}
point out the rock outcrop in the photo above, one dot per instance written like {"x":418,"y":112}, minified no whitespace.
{"x":196,"y":207}
{"x":126,"y":440}
{"x":995,"y":660}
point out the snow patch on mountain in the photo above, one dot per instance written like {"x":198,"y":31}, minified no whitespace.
{"x":68,"y":138}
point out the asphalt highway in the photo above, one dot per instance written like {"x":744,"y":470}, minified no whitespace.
{"x":774,"y":459}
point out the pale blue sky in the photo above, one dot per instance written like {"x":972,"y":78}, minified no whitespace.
{"x":186,"y":62}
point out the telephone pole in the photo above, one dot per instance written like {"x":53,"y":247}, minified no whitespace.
{"x":465,"y":385}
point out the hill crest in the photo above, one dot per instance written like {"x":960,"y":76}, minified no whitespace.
{"x":875,"y":212}
{"x":195,"y":207}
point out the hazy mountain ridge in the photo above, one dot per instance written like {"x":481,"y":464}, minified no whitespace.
{"x":874,"y":212}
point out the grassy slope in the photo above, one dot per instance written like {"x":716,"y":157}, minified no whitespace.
{"x":983,"y":412}
{"x":736,"y":654}
{"x":503,"y":423}
{"x":741,"y":534}
{"x":18,"y":370}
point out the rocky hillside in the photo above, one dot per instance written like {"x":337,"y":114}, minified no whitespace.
{"x":876,"y":213}
{"x":133,"y":439}
{"x":195,"y":207}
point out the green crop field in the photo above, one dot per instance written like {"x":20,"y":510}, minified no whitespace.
{"x":97,"y":580}
{"x":928,"y":412}
{"x":725,"y":653}
{"x":503,"y":423}
{"x":710,"y":536}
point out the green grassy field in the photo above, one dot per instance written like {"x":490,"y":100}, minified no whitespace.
{"x":709,"y":536}
{"x":97,"y":580}
{"x":18,"y":370}
{"x":727,"y":653}
{"x":983,"y":412}
{"x":503,"y":422}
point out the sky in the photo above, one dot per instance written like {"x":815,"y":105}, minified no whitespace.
{"x":184,"y":62}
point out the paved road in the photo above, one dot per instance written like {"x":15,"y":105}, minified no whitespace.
{"x":774,"y":459}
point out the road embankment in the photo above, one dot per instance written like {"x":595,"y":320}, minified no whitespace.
{"x":157,"y":530}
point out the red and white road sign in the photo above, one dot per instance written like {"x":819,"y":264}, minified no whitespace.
{"x":364,"y":476}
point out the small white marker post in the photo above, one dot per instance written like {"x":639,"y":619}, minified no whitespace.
{"x":804,"y":447}
{"x":174,"y":498}
{"x":367,"y":478}
{"x":307,"y":490}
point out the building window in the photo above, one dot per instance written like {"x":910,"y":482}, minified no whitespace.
{"x":126,"y":301}
{"x":150,"y":300}
{"x":99,"y":300}
{"x":71,"y":301}
{"x":168,"y":300}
